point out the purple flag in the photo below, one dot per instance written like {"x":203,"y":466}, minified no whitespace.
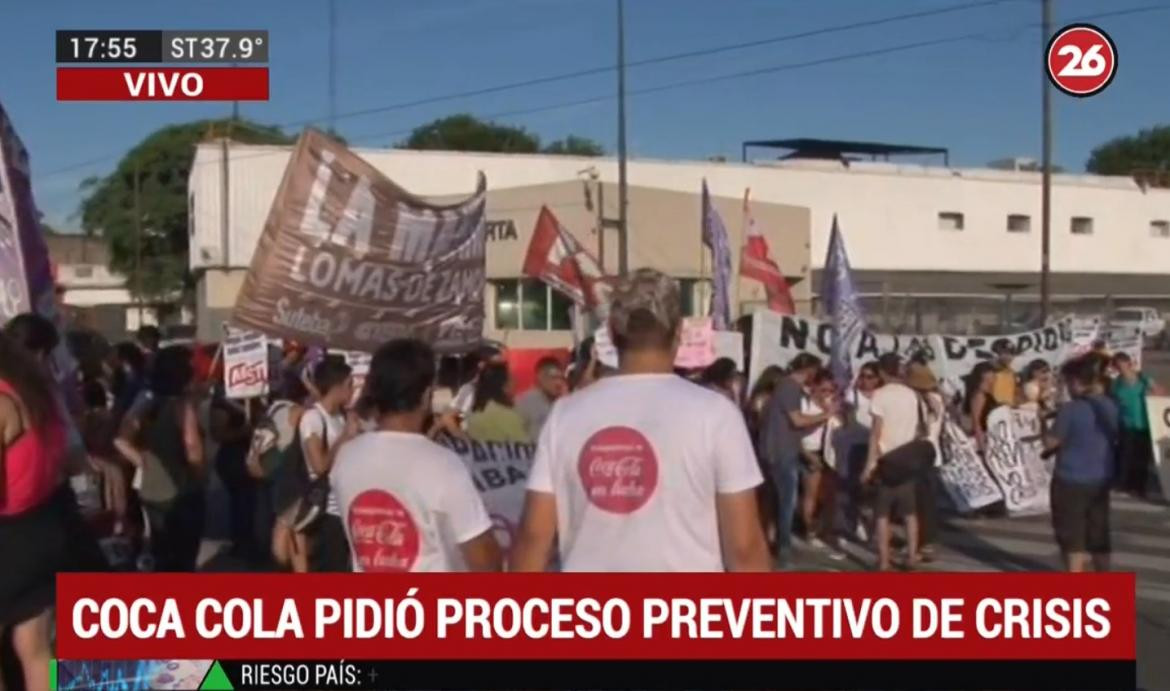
{"x":841,"y":306}
{"x":715,"y":238}
{"x":26,"y":275}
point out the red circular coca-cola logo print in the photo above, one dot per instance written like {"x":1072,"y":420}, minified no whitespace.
{"x":618,"y":469}
{"x":382,"y":532}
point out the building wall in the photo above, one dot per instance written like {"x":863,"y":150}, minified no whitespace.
{"x":889,"y":213}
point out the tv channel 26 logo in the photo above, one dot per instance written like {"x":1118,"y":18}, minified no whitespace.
{"x":1081,"y":60}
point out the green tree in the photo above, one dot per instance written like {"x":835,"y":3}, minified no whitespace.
{"x":574,"y":146}
{"x":162,"y":163}
{"x":464,"y":132}
{"x":1148,"y":150}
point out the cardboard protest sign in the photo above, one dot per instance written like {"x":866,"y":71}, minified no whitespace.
{"x":696,"y":344}
{"x":500,"y":473}
{"x":1158,"y":411}
{"x":348,"y":259}
{"x":962,"y":472}
{"x":729,"y":344}
{"x":245,"y":363}
{"x":1023,"y":481}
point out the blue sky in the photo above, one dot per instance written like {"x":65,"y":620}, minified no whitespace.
{"x":979,"y":97}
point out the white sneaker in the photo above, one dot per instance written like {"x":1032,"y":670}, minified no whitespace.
{"x":836,"y":554}
{"x":816,"y":543}
{"x":861,"y":533}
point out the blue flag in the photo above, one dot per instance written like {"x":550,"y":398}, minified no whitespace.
{"x":842,"y":307}
{"x":715,"y":238}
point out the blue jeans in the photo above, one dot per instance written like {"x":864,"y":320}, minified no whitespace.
{"x":786,"y":477}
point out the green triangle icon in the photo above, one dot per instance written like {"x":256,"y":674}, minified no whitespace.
{"x":216,"y":679}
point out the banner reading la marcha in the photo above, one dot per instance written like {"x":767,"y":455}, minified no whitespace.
{"x":349,"y":260}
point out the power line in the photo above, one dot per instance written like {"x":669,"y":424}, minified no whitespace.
{"x":601,"y":98}
{"x":576,"y":74}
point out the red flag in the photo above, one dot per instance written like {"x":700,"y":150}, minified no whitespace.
{"x":555,"y":257}
{"x":754,"y":263}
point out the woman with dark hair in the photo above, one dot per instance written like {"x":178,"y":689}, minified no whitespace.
{"x":161,"y":436}
{"x":41,"y":529}
{"x":493,"y":417}
{"x":761,"y":393}
{"x":979,"y":401}
{"x":722,"y":376}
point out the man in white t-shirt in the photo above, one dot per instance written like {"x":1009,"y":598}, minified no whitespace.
{"x":897,"y":414}
{"x":323,"y":430}
{"x":409,"y":504}
{"x":643,"y":471}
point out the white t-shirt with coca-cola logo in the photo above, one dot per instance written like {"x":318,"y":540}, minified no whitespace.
{"x":635,"y":463}
{"x":407,"y":503}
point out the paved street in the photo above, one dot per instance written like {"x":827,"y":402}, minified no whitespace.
{"x":1141,"y":534}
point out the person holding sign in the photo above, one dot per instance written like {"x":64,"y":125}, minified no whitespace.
{"x":643,"y":470}
{"x":409,"y":504}
{"x":1135,"y":447}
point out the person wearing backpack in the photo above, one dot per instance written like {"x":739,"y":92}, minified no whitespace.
{"x":273,"y":436}
{"x":322,"y":430}
{"x":1084,"y":437}
{"x":161,"y":436}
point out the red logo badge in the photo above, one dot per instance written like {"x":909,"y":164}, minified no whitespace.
{"x":1081,"y":60}
{"x":382,"y":532}
{"x":618,"y":469}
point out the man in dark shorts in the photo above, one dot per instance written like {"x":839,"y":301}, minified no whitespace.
{"x":1084,"y":437}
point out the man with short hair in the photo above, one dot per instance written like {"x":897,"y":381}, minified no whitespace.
{"x":1003,"y":388}
{"x":535,"y":405}
{"x":784,"y":426}
{"x":643,"y":470}
{"x":898,"y":417}
{"x":1084,"y":438}
{"x":409,"y":504}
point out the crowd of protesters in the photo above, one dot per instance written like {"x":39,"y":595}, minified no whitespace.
{"x":638,"y":468}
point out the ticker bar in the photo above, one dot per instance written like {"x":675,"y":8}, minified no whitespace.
{"x":109,"y":46}
{"x":215,"y":46}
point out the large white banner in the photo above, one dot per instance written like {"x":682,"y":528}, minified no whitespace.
{"x":1013,"y":457}
{"x":776,"y":339}
{"x":1158,"y":410}
{"x":245,"y":363}
{"x":500,"y":473}
{"x":962,"y":472}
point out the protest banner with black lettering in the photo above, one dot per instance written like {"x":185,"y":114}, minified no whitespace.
{"x":500,"y":473}
{"x":349,"y":260}
{"x":1158,"y":411}
{"x":777,"y":338}
{"x":962,"y":472}
{"x":1023,"y":482}
{"x":245,"y":363}
{"x":956,"y":356}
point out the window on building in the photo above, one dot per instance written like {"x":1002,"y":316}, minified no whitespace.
{"x":1160,"y":229}
{"x":1081,"y":225}
{"x":950,"y":220}
{"x":1019,"y":223}
{"x":694,"y":296}
{"x":530,"y":305}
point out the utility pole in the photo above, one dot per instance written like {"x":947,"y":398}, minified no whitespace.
{"x":623,"y":188}
{"x":138,"y":238}
{"x":1046,"y":175}
{"x":332,"y":67}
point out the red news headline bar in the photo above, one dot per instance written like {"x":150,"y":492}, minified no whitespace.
{"x":871,"y":616}
{"x":162,"y":84}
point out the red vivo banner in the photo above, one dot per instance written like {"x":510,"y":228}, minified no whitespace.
{"x":162,"y":84}
{"x":821,"y":616}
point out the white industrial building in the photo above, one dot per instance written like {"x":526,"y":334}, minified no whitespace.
{"x":933,"y":247}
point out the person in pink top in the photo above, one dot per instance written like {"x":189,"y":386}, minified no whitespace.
{"x":41,"y":531}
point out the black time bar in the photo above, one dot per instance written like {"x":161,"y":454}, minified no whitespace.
{"x":162,"y":46}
